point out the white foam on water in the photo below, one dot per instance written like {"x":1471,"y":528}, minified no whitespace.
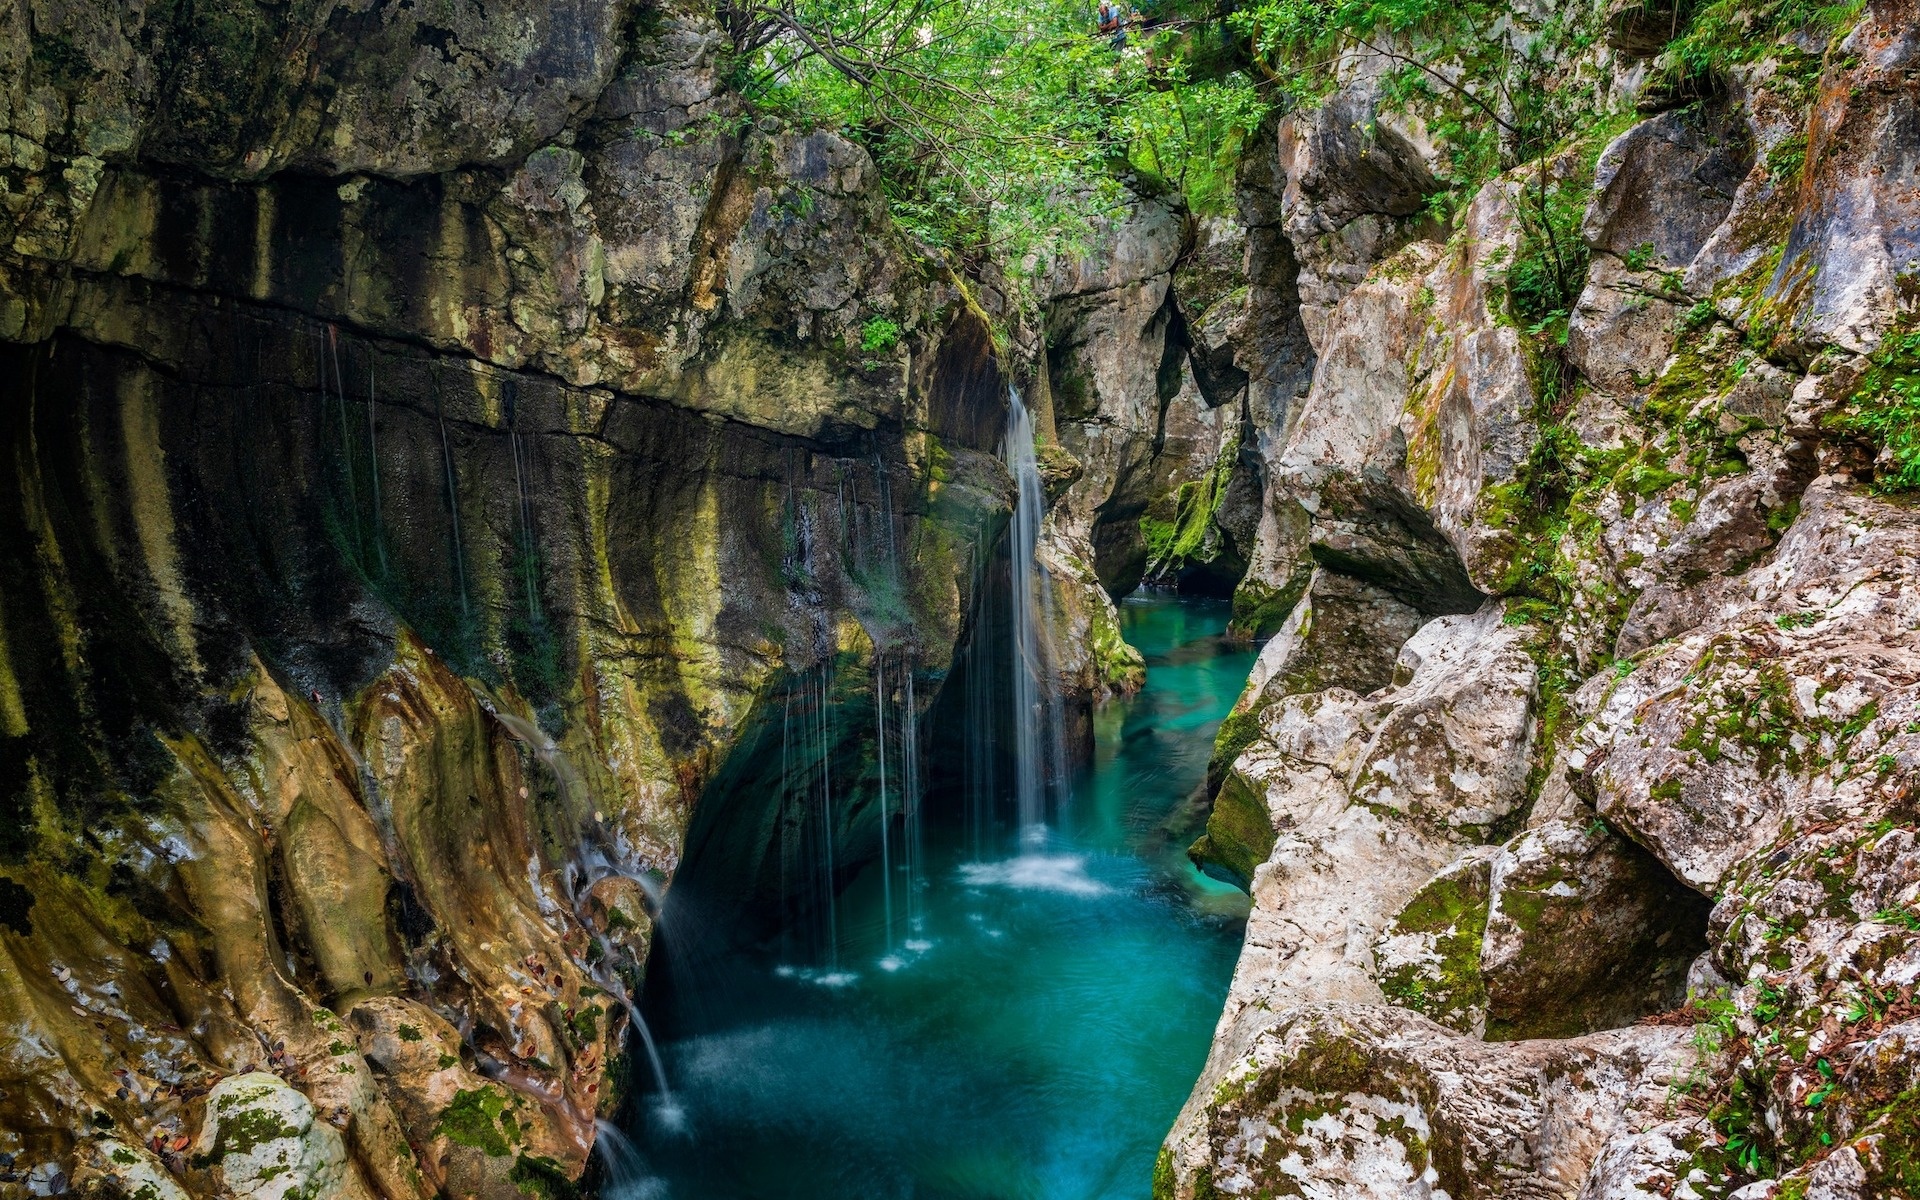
{"x":831,"y":979}
{"x":1065,"y":873}
{"x":917,"y":945}
{"x":671,"y":1115}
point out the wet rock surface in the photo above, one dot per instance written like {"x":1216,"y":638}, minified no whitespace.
{"x":428,"y":479}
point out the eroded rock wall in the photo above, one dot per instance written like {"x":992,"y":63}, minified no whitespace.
{"x":432,"y":449}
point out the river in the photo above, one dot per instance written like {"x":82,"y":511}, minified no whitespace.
{"x":1033,"y":1037}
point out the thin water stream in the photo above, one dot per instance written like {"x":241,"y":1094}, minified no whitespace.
{"x":1032,"y":1035}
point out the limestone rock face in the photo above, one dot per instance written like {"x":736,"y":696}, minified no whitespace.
{"x":263,"y":1141}
{"x":1706,"y":818}
{"x":1344,"y":632}
{"x":1122,"y":397}
{"x":1354,"y":171}
{"x":1796,"y":677}
{"x":1350,"y":1099}
{"x":1661,"y":188}
{"x":1358,"y":802}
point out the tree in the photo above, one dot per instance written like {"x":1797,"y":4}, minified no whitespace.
{"x":1000,"y":126}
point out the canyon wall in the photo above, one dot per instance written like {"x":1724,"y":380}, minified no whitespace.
{"x":435,"y":444}
{"x":1574,"y":789}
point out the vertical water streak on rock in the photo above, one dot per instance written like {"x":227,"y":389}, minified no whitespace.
{"x":594,"y":864}
{"x":910,"y":791}
{"x":373,"y":452}
{"x":453,"y":498}
{"x":980,"y":764}
{"x":827,"y":827}
{"x":529,"y":564}
{"x":886,"y":816}
{"x":789,"y":844}
{"x":346,"y":444}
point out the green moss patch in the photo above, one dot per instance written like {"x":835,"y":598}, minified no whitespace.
{"x":478,"y":1118}
{"x":1239,"y":833}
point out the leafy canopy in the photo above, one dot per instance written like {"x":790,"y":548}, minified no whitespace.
{"x":1001,"y":127}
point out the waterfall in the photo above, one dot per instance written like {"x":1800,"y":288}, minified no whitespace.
{"x":979,"y":761}
{"x":626,"y":1172}
{"x":596,"y":865}
{"x":827,"y":826}
{"x":1033,"y":710}
{"x":886,"y":815}
{"x":910,"y":793}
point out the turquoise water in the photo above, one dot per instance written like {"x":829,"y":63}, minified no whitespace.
{"x":1033,"y":1037}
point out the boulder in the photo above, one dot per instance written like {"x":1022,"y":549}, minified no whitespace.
{"x":1357,"y":1100}
{"x":1661,"y":188}
{"x":262,"y":1140}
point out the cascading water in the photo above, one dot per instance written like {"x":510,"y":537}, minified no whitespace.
{"x":1036,"y":715}
{"x":625,"y":1174}
{"x":886,"y":812}
{"x":982,"y":1036}
{"x":591,"y":865}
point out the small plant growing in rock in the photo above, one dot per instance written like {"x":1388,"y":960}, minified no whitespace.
{"x":1885,"y":412}
{"x":879,"y":336}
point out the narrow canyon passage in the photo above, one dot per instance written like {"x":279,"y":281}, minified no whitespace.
{"x":1031,"y":1033}
{"x":960,"y":600}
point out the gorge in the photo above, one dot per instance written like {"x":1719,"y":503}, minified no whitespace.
{"x":657,"y":598}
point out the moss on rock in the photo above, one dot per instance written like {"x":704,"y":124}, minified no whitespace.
{"x":1239,"y":834}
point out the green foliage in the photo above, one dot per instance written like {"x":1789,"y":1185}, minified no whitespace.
{"x":1189,"y":132}
{"x":1003,"y":128}
{"x":1724,"y":33}
{"x":879,"y":336}
{"x":997,"y":127}
{"x":1884,"y":411}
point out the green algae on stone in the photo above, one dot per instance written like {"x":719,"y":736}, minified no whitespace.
{"x":1429,"y":957}
{"x":478,"y":1118}
{"x":1239,"y":834}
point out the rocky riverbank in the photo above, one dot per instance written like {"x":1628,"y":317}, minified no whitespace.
{"x":1574,"y":792}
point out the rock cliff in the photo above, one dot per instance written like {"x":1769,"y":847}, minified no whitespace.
{"x":436,"y":442}
{"x":1574,"y":790}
